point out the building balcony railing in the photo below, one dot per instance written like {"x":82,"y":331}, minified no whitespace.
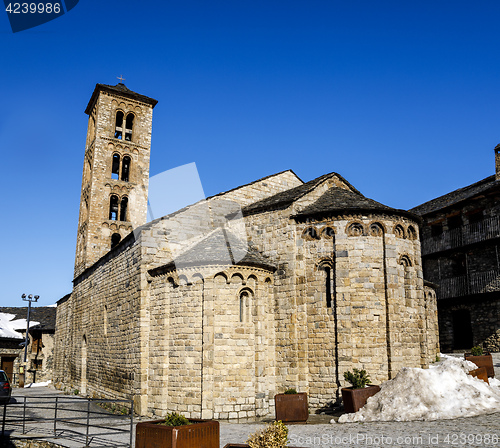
{"x":474,"y":283}
{"x":471,"y":233}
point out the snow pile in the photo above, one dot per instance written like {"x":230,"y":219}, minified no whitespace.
{"x":444,"y":391}
{"x":8,"y":326}
{"x":43,"y":384}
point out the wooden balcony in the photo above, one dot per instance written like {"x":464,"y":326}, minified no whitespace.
{"x":472,"y":233}
{"x":473,"y":283}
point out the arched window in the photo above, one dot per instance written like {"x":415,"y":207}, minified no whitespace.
{"x":115,"y":239}
{"x":376,"y":229}
{"x":406,"y":263}
{"x":119,"y":124}
{"x":115,"y":167}
{"x":412,"y":233}
{"x":126,"y":168}
{"x":328,"y":232}
{"x":310,"y":234}
{"x":113,"y":207}
{"x":399,"y":231}
{"x":245,"y":304}
{"x":123,"y":209}
{"x":105,"y":313}
{"x":129,"y":124}
{"x":328,"y":266}
{"x":355,"y":229}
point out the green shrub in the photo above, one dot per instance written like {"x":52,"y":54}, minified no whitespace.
{"x":274,"y":435}
{"x":291,"y":391}
{"x":175,"y":419}
{"x":476,"y":351}
{"x":358,"y":378}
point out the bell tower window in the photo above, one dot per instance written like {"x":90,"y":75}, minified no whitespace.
{"x":123,"y":209}
{"x":113,"y":208}
{"x":128,"y":127}
{"x":119,"y":125}
{"x":126,"y":168}
{"x":115,"y":168}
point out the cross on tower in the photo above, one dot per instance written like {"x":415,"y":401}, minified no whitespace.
{"x":121,"y":78}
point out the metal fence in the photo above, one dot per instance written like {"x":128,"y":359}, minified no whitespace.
{"x":75,"y":418}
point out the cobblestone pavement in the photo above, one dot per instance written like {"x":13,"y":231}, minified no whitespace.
{"x":480,"y":431}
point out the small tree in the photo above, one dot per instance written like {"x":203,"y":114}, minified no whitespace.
{"x":274,"y":435}
{"x":476,"y":351}
{"x":175,"y":419}
{"x":358,"y":378}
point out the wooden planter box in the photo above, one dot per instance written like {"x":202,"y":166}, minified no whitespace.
{"x":480,"y":373}
{"x":201,"y":434}
{"x":355,"y":399}
{"x":482,"y":361}
{"x":291,"y":407}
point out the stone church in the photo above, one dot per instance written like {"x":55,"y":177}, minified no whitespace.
{"x":212,"y":310}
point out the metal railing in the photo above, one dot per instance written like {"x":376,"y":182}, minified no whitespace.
{"x":42,"y":417}
{"x":473,"y":283}
{"x":471,"y":233}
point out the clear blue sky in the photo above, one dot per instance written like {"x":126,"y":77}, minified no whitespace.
{"x":401,"y":98}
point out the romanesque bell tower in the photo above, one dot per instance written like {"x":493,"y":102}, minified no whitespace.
{"x":115,"y":171}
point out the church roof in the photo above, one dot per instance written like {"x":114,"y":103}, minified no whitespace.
{"x":45,"y":315}
{"x":284,"y":199}
{"x":120,"y":89}
{"x":456,"y":196}
{"x":220,"y":247}
{"x":338,"y":200}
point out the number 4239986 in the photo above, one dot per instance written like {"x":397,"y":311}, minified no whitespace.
{"x":33,"y":8}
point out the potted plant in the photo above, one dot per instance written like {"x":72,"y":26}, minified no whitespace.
{"x":291,"y":406}
{"x":355,"y":397}
{"x":175,"y":430}
{"x":481,"y":359}
{"x":274,"y":435}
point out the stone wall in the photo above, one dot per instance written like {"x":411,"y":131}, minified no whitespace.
{"x":376,"y":293}
{"x":97,"y":336}
{"x":223,"y":368}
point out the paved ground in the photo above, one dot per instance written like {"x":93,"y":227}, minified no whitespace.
{"x":481,"y":431}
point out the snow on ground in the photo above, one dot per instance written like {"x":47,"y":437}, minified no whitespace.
{"x":8,"y":326}
{"x":444,"y":391}
{"x":43,"y":384}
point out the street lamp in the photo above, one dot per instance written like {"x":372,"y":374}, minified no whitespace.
{"x":30,"y":298}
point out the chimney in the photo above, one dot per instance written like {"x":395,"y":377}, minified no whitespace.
{"x":497,"y":162}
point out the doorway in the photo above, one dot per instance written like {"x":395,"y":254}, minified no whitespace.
{"x":462,"y":330}
{"x":7,"y":365}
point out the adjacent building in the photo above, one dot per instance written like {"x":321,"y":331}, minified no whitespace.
{"x":40,"y":350}
{"x":460,"y":251}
